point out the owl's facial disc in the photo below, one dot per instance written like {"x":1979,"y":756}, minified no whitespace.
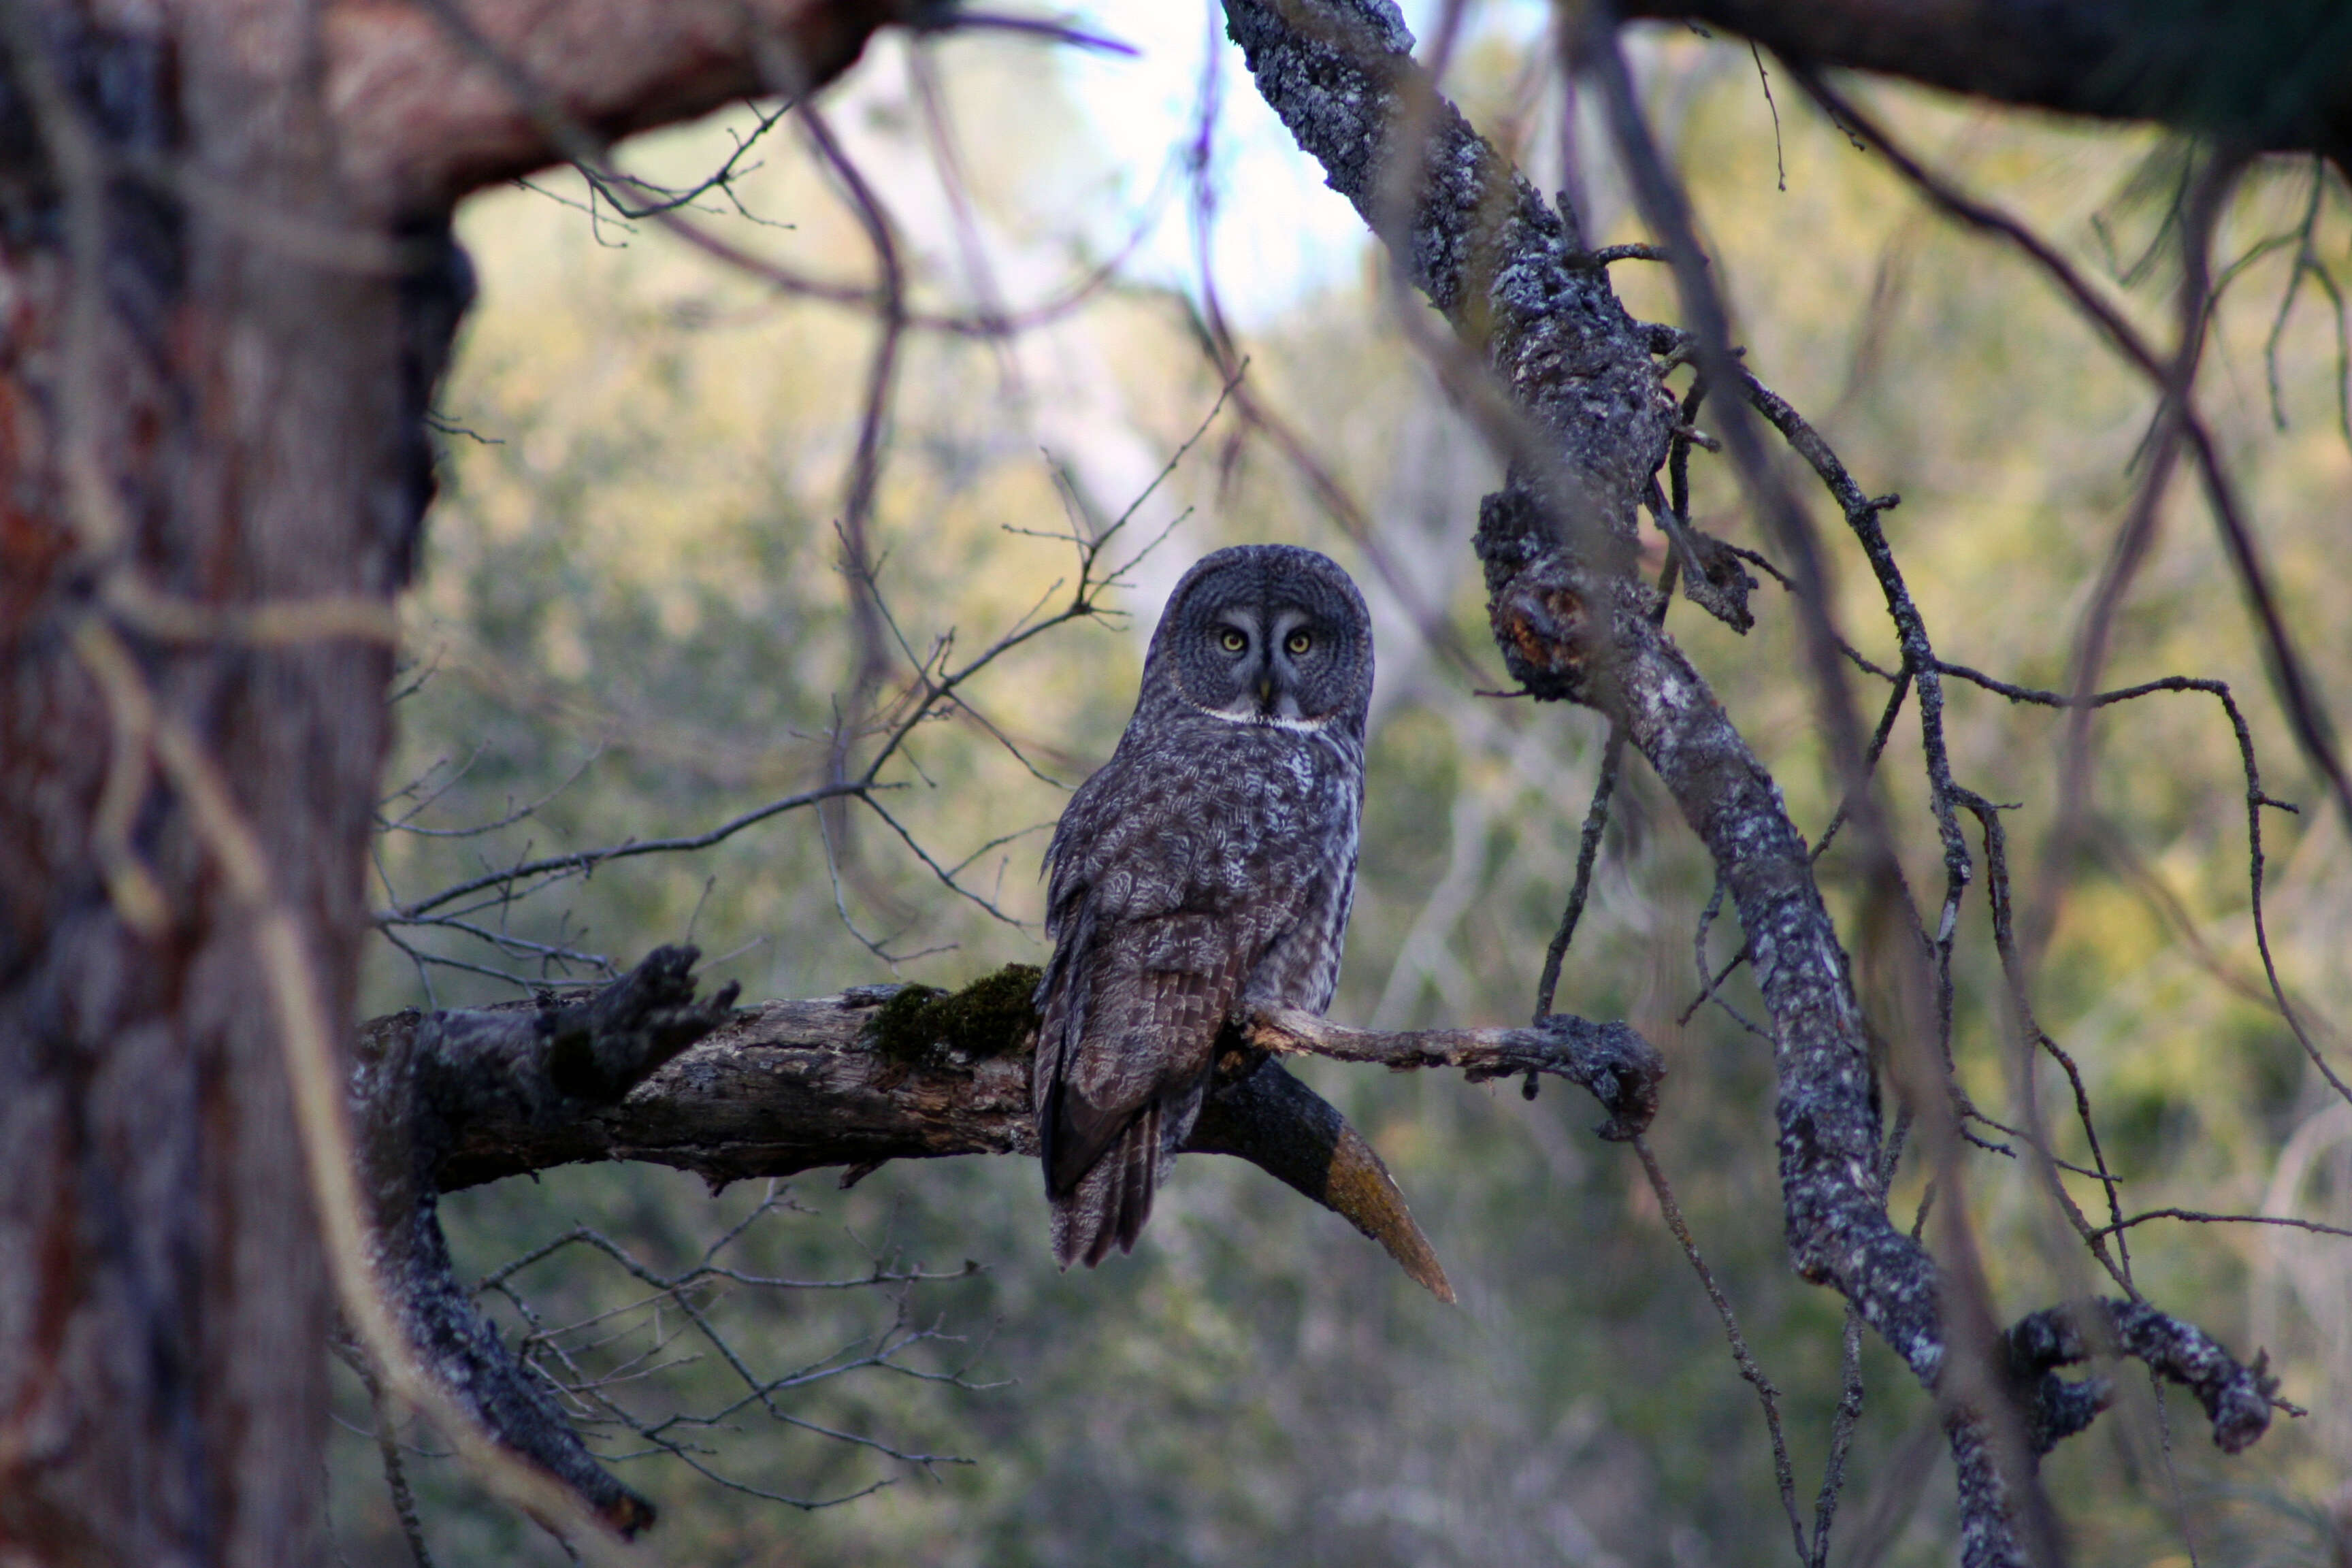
{"x":1266,"y":667}
{"x":1266,"y":634}
{"x":1244,"y":677}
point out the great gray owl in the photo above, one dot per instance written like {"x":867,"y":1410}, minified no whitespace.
{"x":1209,"y":865}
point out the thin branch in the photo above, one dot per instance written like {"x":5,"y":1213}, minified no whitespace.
{"x":585,"y":861}
{"x":2198,"y":1217}
{"x":1587,"y":849}
{"x":1767,"y":1395}
{"x":2256,"y":798}
{"x":2313,"y":731}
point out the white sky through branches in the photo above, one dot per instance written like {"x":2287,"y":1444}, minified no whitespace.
{"x":1280,"y":232}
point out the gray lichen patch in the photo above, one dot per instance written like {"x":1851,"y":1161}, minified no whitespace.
{"x":922,"y":1027}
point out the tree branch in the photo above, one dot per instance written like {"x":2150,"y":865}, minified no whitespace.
{"x":421,"y":1080}
{"x":1621,"y":1069}
{"x":424,"y":115}
{"x":2264,"y":75}
{"x":639,"y":1070}
{"x":2236,"y":1399}
{"x":1571,"y":624}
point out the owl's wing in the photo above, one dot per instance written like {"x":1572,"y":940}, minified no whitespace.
{"x":1145,"y":1000}
{"x":1169,"y":887}
{"x":1133,"y":1004}
{"x":1124,"y":1090}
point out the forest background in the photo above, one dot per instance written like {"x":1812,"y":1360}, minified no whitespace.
{"x":631,"y":621}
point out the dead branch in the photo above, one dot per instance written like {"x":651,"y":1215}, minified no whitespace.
{"x":421,"y":1080}
{"x":640,"y":1071}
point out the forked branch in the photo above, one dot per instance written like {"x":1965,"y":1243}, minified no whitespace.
{"x":1559,"y":347}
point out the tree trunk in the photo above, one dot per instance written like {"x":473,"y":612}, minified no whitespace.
{"x":184,"y":443}
{"x":226,"y":288}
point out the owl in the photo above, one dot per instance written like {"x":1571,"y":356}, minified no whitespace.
{"x":1209,"y":865}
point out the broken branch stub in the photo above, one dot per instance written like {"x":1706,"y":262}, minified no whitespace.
{"x":2237,"y":1398}
{"x":420,"y":1082}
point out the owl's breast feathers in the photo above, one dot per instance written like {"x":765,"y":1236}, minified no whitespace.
{"x":1204,"y":865}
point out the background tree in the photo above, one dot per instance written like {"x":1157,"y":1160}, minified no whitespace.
{"x":184,"y":640}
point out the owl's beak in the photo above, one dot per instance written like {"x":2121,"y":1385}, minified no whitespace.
{"x":1266,"y":692}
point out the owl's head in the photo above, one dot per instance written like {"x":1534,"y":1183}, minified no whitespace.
{"x":1267,"y":634}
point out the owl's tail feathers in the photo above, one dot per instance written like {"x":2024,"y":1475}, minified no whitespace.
{"x":1112,"y":1200}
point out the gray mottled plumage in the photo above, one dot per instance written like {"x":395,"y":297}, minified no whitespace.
{"x":1210,"y":863}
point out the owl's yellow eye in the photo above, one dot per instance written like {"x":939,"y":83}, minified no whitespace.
{"x":1299,"y":642}
{"x":1234,"y":640}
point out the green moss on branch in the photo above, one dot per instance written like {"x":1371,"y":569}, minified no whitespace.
{"x":923,"y":1027}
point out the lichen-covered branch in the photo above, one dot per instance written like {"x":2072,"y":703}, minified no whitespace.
{"x":1830,"y":1137}
{"x":1479,"y":241}
{"x":641,"y":1071}
{"x":1573,"y":625}
{"x":2237,"y":1398}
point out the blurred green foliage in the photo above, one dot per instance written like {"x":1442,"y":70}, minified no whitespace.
{"x":631,"y":614}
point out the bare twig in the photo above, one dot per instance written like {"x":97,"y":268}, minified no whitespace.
{"x":1767,"y":1394}
{"x":2306,"y":714}
{"x":1587,"y":849}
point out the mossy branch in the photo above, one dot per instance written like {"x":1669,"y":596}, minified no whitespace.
{"x":639,"y":1070}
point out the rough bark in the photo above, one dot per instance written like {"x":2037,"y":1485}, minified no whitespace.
{"x":228,"y":288}
{"x":177,"y":429}
{"x":640,"y":1071}
{"x":2274,"y":75}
